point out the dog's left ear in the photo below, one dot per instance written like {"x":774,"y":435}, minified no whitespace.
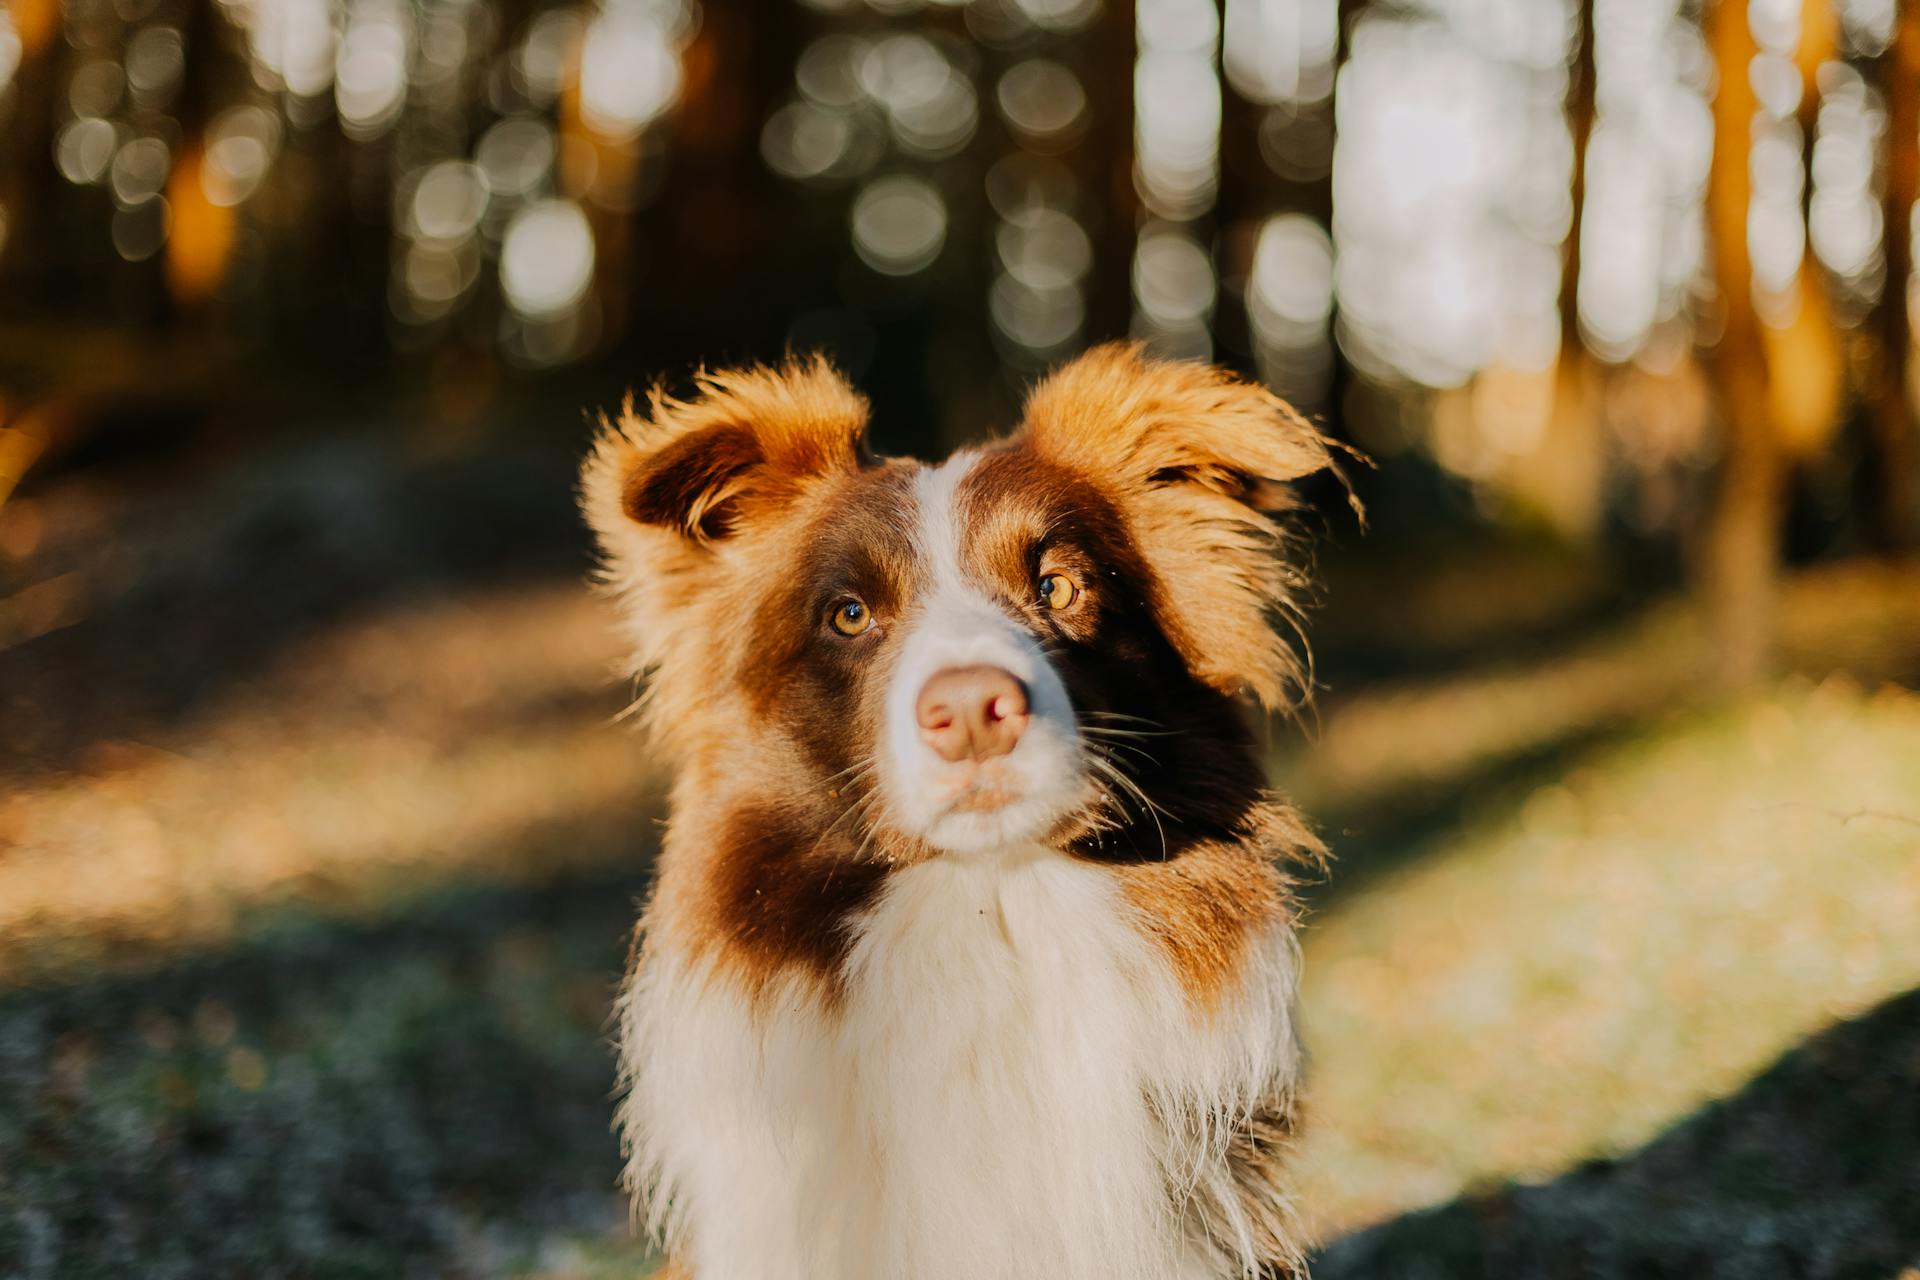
{"x":669,"y":489}
{"x":1198,"y":461}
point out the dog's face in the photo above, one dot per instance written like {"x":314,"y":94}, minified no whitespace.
{"x":1035,"y":642}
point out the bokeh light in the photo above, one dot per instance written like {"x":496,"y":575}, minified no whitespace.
{"x":802,"y":141}
{"x":1173,"y":290}
{"x":448,"y":201}
{"x":630,"y":65}
{"x":9,"y":48}
{"x":139,"y":230}
{"x":85,"y":148}
{"x":550,"y":48}
{"x":1176,"y":97}
{"x":546,"y":259}
{"x":1281,"y":51}
{"x":899,"y":224}
{"x":370,"y":73}
{"x":1289,"y":294}
{"x":293,"y":45}
{"x":241,"y":145}
{"x":1845,"y":221}
{"x":1043,"y":103}
{"x":515,"y":157}
{"x":1450,"y":180}
{"x":1646,"y":174}
{"x":930,"y":103}
{"x":139,"y":171}
{"x":155,"y":60}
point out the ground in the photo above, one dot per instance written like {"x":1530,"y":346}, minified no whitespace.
{"x":307,"y":953}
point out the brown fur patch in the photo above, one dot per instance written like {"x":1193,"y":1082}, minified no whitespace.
{"x":691,"y":483}
{"x":783,"y":897}
{"x":1194,"y":458}
{"x":1203,"y":908}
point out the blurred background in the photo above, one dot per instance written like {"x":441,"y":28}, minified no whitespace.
{"x":319,"y":836}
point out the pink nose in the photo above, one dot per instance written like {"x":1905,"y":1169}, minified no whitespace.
{"x":972,"y":713}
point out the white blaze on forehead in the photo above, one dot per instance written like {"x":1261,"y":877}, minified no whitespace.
{"x":958,"y":624}
{"x":937,"y":491}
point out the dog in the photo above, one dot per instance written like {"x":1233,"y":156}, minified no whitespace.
{"x":970,"y":954}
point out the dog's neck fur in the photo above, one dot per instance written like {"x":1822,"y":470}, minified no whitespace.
{"x":1012,"y":1083}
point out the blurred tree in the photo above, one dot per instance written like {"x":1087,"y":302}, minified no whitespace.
{"x":1738,"y":561}
{"x":1777,"y":375}
{"x":1574,"y":374}
{"x":1893,"y":393}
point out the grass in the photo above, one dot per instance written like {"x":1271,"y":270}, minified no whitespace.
{"x":423,"y":1097}
{"x":312,"y":980}
{"x":1812,"y":1170}
{"x":465,"y":735}
{"x":1583,"y":960}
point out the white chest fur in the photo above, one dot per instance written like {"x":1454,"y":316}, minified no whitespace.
{"x":987,"y":1103}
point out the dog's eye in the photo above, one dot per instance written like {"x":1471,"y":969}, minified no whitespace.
{"x":1057,"y":590}
{"x":851,"y":618}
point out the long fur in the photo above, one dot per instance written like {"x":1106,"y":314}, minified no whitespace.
{"x":866,"y":1037}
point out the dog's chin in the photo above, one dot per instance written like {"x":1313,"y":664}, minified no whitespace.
{"x":992,"y":820}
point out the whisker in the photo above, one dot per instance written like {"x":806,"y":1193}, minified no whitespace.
{"x":1135,"y":752}
{"x":1117,"y":715}
{"x":858,"y":767}
{"x":1106,"y":743}
{"x":859,"y":771}
{"x":1121,"y":735}
{"x":1108,"y":769}
{"x":635,"y":706}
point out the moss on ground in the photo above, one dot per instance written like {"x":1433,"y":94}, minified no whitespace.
{"x":425,"y":1097}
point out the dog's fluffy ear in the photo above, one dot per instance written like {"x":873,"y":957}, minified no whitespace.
{"x":666,"y":489}
{"x":697,"y":467}
{"x":1198,"y":460}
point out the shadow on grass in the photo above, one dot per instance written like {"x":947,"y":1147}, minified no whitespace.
{"x":430,"y":1097}
{"x":423,"y":1097}
{"x":1400,"y":827}
{"x":184,"y":594}
{"x":1811,"y":1172}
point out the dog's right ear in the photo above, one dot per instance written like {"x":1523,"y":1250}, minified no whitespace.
{"x":698,"y":468}
{"x":670,"y":490}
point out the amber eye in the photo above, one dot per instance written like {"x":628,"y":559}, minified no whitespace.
{"x":850,"y":618}
{"x":1057,"y":590}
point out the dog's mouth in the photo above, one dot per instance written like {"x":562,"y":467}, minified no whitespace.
{"x":986,"y":787}
{"x":981,"y":797}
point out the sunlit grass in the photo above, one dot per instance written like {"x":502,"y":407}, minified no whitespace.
{"x":1571,"y":970}
{"x":459,"y":737}
{"x":1379,"y":742}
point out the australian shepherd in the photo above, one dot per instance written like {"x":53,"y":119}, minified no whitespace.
{"x":971,"y":955}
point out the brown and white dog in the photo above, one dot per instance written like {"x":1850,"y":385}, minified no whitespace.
{"x":969,"y":956}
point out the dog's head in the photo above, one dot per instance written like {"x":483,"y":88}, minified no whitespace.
{"x":1039,"y":641}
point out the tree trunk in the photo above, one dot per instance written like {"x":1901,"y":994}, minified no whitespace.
{"x":1739,"y":561}
{"x":1899,"y":459}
